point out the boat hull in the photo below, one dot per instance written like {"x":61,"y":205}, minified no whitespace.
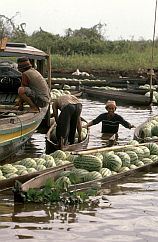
{"x":121,"y":96}
{"x":17,"y":130}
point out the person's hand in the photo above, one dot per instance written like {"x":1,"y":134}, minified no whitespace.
{"x":84,"y":126}
{"x":132,"y":126}
{"x":79,"y":139}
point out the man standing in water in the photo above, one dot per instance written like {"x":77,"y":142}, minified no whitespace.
{"x":110,"y":121}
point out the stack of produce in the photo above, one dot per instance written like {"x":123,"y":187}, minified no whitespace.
{"x":150,"y":129}
{"x":99,"y":165}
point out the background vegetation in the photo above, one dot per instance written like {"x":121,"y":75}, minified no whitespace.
{"x":86,"y":48}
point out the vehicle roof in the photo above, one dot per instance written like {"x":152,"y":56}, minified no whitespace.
{"x":22,"y":49}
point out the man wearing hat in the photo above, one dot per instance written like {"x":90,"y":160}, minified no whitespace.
{"x":110,"y":120}
{"x":34,"y":89}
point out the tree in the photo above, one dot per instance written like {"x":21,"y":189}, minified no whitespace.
{"x":96,"y":32}
{"x":10,"y":30}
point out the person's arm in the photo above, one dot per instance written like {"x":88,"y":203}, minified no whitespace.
{"x":88,"y":125}
{"x":95,"y":121}
{"x":55,"y":110}
{"x":125,"y":123}
{"x":79,"y":129}
{"x":25,"y":80}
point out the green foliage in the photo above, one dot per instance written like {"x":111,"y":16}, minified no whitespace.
{"x":52,"y":194}
{"x":84,"y":48}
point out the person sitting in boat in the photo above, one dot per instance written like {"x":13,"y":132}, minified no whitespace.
{"x":34,"y":89}
{"x":68,"y":120}
{"x":110,"y":122}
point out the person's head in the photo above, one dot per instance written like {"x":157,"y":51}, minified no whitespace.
{"x":110,"y":106}
{"x":23,"y":64}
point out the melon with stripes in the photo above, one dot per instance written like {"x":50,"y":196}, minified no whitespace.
{"x":88,"y":162}
{"x":113,"y":162}
{"x":63,"y":183}
{"x":59,"y":154}
{"x":133,"y":156}
{"x":153,"y":147}
{"x":145,"y":150}
{"x":125,"y":158}
{"x":77,"y":175}
{"x":147,"y":160}
{"x":93,"y":175}
{"x":105,"y":172}
{"x":154,"y":158}
{"x":124,"y":169}
{"x":138,"y":151}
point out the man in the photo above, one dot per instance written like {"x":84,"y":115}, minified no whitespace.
{"x":110,"y":121}
{"x":68,"y":120}
{"x":34,"y":89}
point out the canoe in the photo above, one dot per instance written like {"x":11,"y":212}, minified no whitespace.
{"x":51,"y":145}
{"x":16,"y":127}
{"x":39,"y":181}
{"x":139,"y":134}
{"x":120,"y":96}
{"x":9,"y":183}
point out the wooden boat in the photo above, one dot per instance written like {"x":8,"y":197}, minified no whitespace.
{"x":39,"y":181}
{"x":139,"y":134}
{"x":16,"y":127}
{"x":51,"y":146}
{"x":9,"y":183}
{"x":121,"y":96}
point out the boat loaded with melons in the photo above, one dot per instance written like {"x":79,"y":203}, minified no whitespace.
{"x":147,"y":131}
{"x":93,"y":166}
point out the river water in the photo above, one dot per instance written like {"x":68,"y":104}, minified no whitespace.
{"x":127,"y":211}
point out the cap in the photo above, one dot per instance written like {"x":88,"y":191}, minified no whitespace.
{"x":110,"y":103}
{"x":23,"y":63}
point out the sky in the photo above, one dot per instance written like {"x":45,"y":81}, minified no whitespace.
{"x":124,"y":19}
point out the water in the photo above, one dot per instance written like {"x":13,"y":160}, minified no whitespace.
{"x":127,"y":210}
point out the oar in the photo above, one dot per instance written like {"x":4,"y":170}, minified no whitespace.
{"x":102,"y":148}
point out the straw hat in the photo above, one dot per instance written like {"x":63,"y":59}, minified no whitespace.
{"x":110,"y":103}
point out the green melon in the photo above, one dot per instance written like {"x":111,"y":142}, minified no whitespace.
{"x":63,"y":183}
{"x":59,"y":154}
{"x":88,"y":162}
{"x":124,"y":169}
{"x":125,"y":158}
{"x":105,"y":172}
{"x":147,"y":160}
{"x":113,"y":162}
{"x":133,"y":156}
{"x":153,"y":147}
{"x":92,"y":175}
